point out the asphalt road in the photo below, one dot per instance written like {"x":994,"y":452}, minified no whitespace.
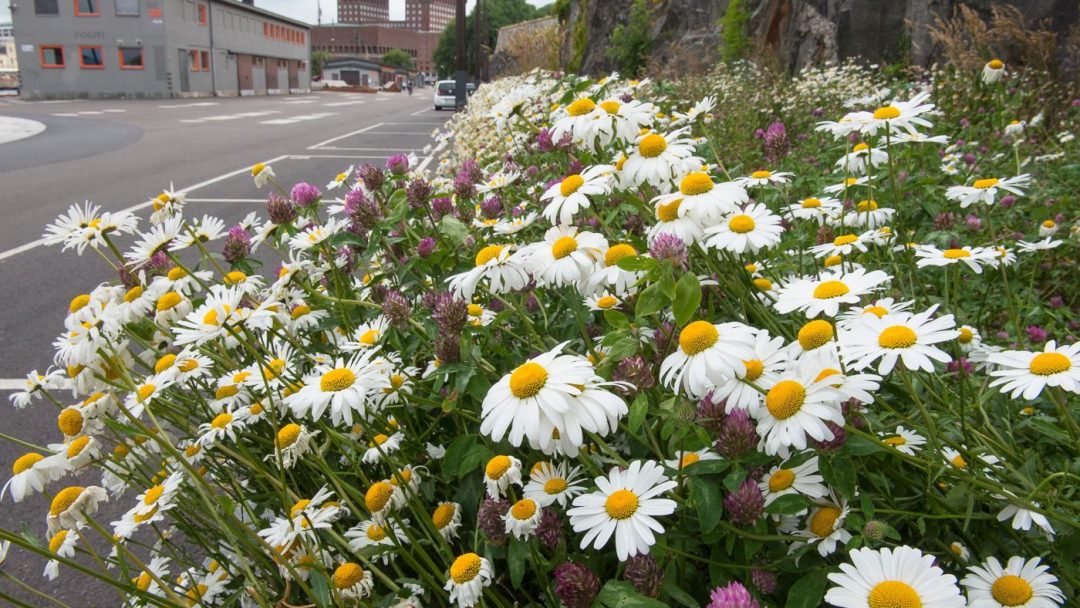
{"x":119,"y":154}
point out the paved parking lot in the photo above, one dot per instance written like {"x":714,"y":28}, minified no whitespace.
{"x":119,"y":154}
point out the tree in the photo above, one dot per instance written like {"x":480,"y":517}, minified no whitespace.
{"x":318,"y":60}
{"x":497,"y":13}
{"x":399,"y":59}
{"x":631,"y":41}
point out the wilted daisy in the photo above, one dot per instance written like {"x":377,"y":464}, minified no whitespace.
{"x":904,"y":440}
{"x":972,"y":257}
{"x":293,"y":442}
{"x":447,"y":519}
{"x":867,"y":214}
{"x":707,"y":356}
{"x":903,"y":577}
{"x":500,"y":472}
{"x":72,"y":505}
{"x":906,"y":336}
{"x":61,"y":544}
{"x":748,"y":230}
{"x":802,"y":479}
{"x":351,"y":580}
{"x":825,"y":527}
{"x":659,"y":158}
{"x":343,"y":386}
{"x":380,"y":445}
{"x":565,"y":256}
{"x":797,"y":407}
{"x":861,"y":157}
{"x":522,"y":518}
{"x":1022,"y":519}
{"x":575,"y":193}
{"x":993,"y":71}
{"x":669,"y":221}
{"x":549,"y":483}
{"x":764,"y":178}
{"x":1043,"y":245}
{"x":469,"y":574}
{"x":340,"y":179}
{"x":262,"y":173}
{"x":1019,"y":582}
{"x":1025,"y":373}
{"x":496,"y":264}
{"x":985,"y":190}
{"x":624,"y":506}
{"x":826,"y":294}
{"x":30,"y":473}
{"x":384,"y":537}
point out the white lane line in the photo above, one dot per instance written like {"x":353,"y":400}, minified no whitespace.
{"x":339,"y":104}
{"x":140,"y":206}
{"x":226,"y":200}
{"x":424,"y":163}
{"x":419,"y":112}
{"x":18,"y":384}
{"x":89,"y":113}
{"x":292,"y":102}
{"x":416,"y":123}
{"x":424,"y":133}
{"x":229,"y":116}
{"x":114,"y":111}
{"x":14,"y":129}
{"x":333,"y":139}
{"x":197,"y":104}
{"x":397,"y":150}
{"x":300,"y":118}
{"x":310,"y":156}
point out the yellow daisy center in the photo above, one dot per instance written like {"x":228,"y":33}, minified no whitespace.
{"x":781,"y":480}
{"x":581,"y":107}
{"x":76,"y":447}
{"x":652,"y":145}
{"x":64,"y":499}
{"x":955,"y":254}
{"x":811,"y":203}
{"x":983,"y":184}
{"x":754,"y":369}
{"x":133,"y":294}
{"x":571,"y":184}
{"x":886,"y":113}
{"x":1011,"y":590}
{"x":221,"y":421}
{"x":618,"y":252}
{"x":555,"y":485}
{"x":688,"y":459}
{"x":235,"y":277}
{"x":378,"y":495}
{"x":176,"y":273}
{"x":78,"y":302}
{"x":153,"y":494}
{"x":897,"y":336}
{"x":859,"y":147}
{"x":697,"y":337}
{"x":25,"y":462}
{"x":257,"y":169}
{"x":621,"y":504}
{"x":1049,"y":224}
{"x":845,"y":239}
{"x":466,"y":567}
{"x":877,"y":311}
{"x":611,"y":106}
{"x":864,"y":206}
{"x":523,"y":509}
{"x":669,"y":212}
{"x":965,"y":336}
{"x":763,"y":284}
{"x":1048,"y":364}
{"x":288,"y":435}
{"x":832,"y":260}
{"x":823,"y":520}
{"x":337,"y":380}
{"x":606,"y":302}
{"x":164,"y":363}
{"x":831,"y":289}
{"x":959,"y":462}
{"x":815,"y":334}
{"x":376,"y":532}
{"x":895,"y":441}
{"x":497,"y":467}
{"x":893,"y":594}
{"x":487,"y":254}
{"x":741,"y":223}
{"x":995,"y":64}
{"x":563,"y":246}
{"x":785,"y":399}
{"x":443,"y":515}
{"x":70,"y":422}
{"x":57,"y":541}
{"x":527,"y":380}
{"x":224,"y":392}
{"x":348,"y":575}
{"x":696,"y":183}
{"x":761,"y":174}
{"x":369,"y":337}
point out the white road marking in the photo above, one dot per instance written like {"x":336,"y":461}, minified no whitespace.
{"x":310,"y":156}
{"x":226,"y":200}
{"x":89,"y":113}
{"x":338,"y":104}
{"x":230,"y":116}
{"x":114,"y":111}
{"x":397,"y":150}
{"x":197,"y":104}
{"x":294,"y":119}
{"x":132,"y":209}
{"x":424,"y":163}
{"x":419,"y":112}
{"x":333,"y":139}
{"x":299,"y":101}
{"x":426,"y":133}
{"x":14,"y":129}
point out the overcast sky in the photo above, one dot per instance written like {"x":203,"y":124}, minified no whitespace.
{"x":304,"y":10}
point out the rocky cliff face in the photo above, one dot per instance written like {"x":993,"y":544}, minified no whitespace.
{"x":688,"y":33}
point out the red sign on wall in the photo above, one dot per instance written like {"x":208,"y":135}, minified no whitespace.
{"x":154,"y":13}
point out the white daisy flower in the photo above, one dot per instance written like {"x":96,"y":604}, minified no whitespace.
{"x":72,"y":505}
{"x":861,"y":157}
{"x":367,"y":335}
{"x":625,"y":119}
{"x":224,"y":426}
{"x":687,"y":458}
{"x":658,"y":159}
{"x":608,"y":275}
{"x":904,"y":440}
{"x":844,"y":244}
{"x":340,"y":179}
{"x":522,"y":518}
{"x":385,"y":537}
{"x":575,"y":193}
{"x":565,"y":256}
{"x":669,"y":221}
{"x":972,"y":257}
{"x":960,"y":551}
{"x":749,"y":230}
{"x":993,"y":71}
{"x":61,"y":544}
{"x":162,"y":237}
{"x":262,"y":173}
{"x":314,"y":235}
{"x":293,"y":442}
{"x":802,"y":479}
{"x":549,"y":483}
{"x":825,"y":527}
{"x":504,"y":271}
{"x":797,"y":406}
{"x":703,"y":200}
{"x":1023,"y":518}
{"x":500,"y":473}
{"x":602,"y":301}
{"x":764,"y":177}
{"x":879,"y":308}
{"x":902,"y":577}
{"x":867,"y":214}
{"x":381,"y":445}
{"x":1043,"y":245}
{"x":209,"y":228}
{"x":897,"y":116}
{"x":906,"y":336}
{"x":985,"y":190}
{"x":1019,"y":582}
{"x":826,"y":294}
{"x":847,"y":184}
{"x":770,"y":359}
{"x":30,"y":473}
{"x":469,"y":574}
{"x":708,"y":355}
{"x":1025,"y":373}
{"x":624,"y":506}
{"x":447,"y":519}
{"x":352,"y":581}
{"x":343,"y":386}
{"x":702,"y":107}
{"x":156,"y":570}
{"x":814,"y":209}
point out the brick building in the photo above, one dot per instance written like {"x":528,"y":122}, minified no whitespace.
{"x":371,"y":42}
{"x":420,"y":15}
{"x":158,"y":48}
{"x":363,"y":11}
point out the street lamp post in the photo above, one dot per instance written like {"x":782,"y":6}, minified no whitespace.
{"x":459,"y":76}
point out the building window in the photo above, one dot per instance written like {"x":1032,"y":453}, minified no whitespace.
{"x":194,"y":61}
{"x":90,"y":58}
{"x":86,"y":8}
{"x":52,"y":56}
{"x":131,"y":58}
{"x":46,"y":7}
{"x":200,"y":12}
{"x":127,"y":8}
{"x":205,"y":56}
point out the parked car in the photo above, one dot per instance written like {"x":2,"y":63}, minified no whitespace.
{"x":445,"y":94}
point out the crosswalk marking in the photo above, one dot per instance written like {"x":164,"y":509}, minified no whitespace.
{"x":294,"y":119}
{"x":197,"y":104}
{"x":224,"y":117}
{"x":88,"y":113}
{"x":338,"y":104}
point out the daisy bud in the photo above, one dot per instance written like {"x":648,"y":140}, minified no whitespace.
{"x":398,"y":164}
{"x":237,"y":245}
{"x":575,"y":585}
{"x":763,"y":580}
{"x":280,"y":210}
{"x":418,"y":192}
{"x":372,"y":177}
{"x":305,"y":194}
{"x":635,"y":371}
{"x":738,"y":435}
{"x":746,"y":504}
{"x":734,"y":595}
{"x":874,"y":530}
{"x":667,"y":246}
{"x":644,"y":574}
{"x":489,"y":517}
{"x":549,"y":531}
{"x":396,"y":309}
{"x":425,"y":247}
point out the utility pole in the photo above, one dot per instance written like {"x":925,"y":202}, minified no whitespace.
{"x":478,"y":29}
{"x":459,"y":76}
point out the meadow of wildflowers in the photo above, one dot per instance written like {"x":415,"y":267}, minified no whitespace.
{"x":738,"y":342}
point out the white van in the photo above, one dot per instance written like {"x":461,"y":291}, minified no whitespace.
{"x":445,"y":95}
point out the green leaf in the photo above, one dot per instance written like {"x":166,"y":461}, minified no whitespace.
{"x":621,"y":594}
{"x":687,"y":298}
{"x":734,"y":479}
{"x":455,"y":453}
{"x":839,"y":474}
{"x":453,"y":229}
{"x":320,"y":588}
{"x":669,"y":587}
{"x":707,"y":467}
{"x":667,"y":281}
{"x":616,"y":319}
{"x":788,"y":504}
{"x":707,"y":501}
{"x":517,"y":556}
{"x":859,"y":446}
{"x":398,"y":205}
{"x":637,"y":263}
{"x":807,"y":591}
{"x":651,"y":300}
{"x":638,"y":409}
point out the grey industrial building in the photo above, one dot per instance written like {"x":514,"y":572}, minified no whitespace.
{"x":158,"y":48}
